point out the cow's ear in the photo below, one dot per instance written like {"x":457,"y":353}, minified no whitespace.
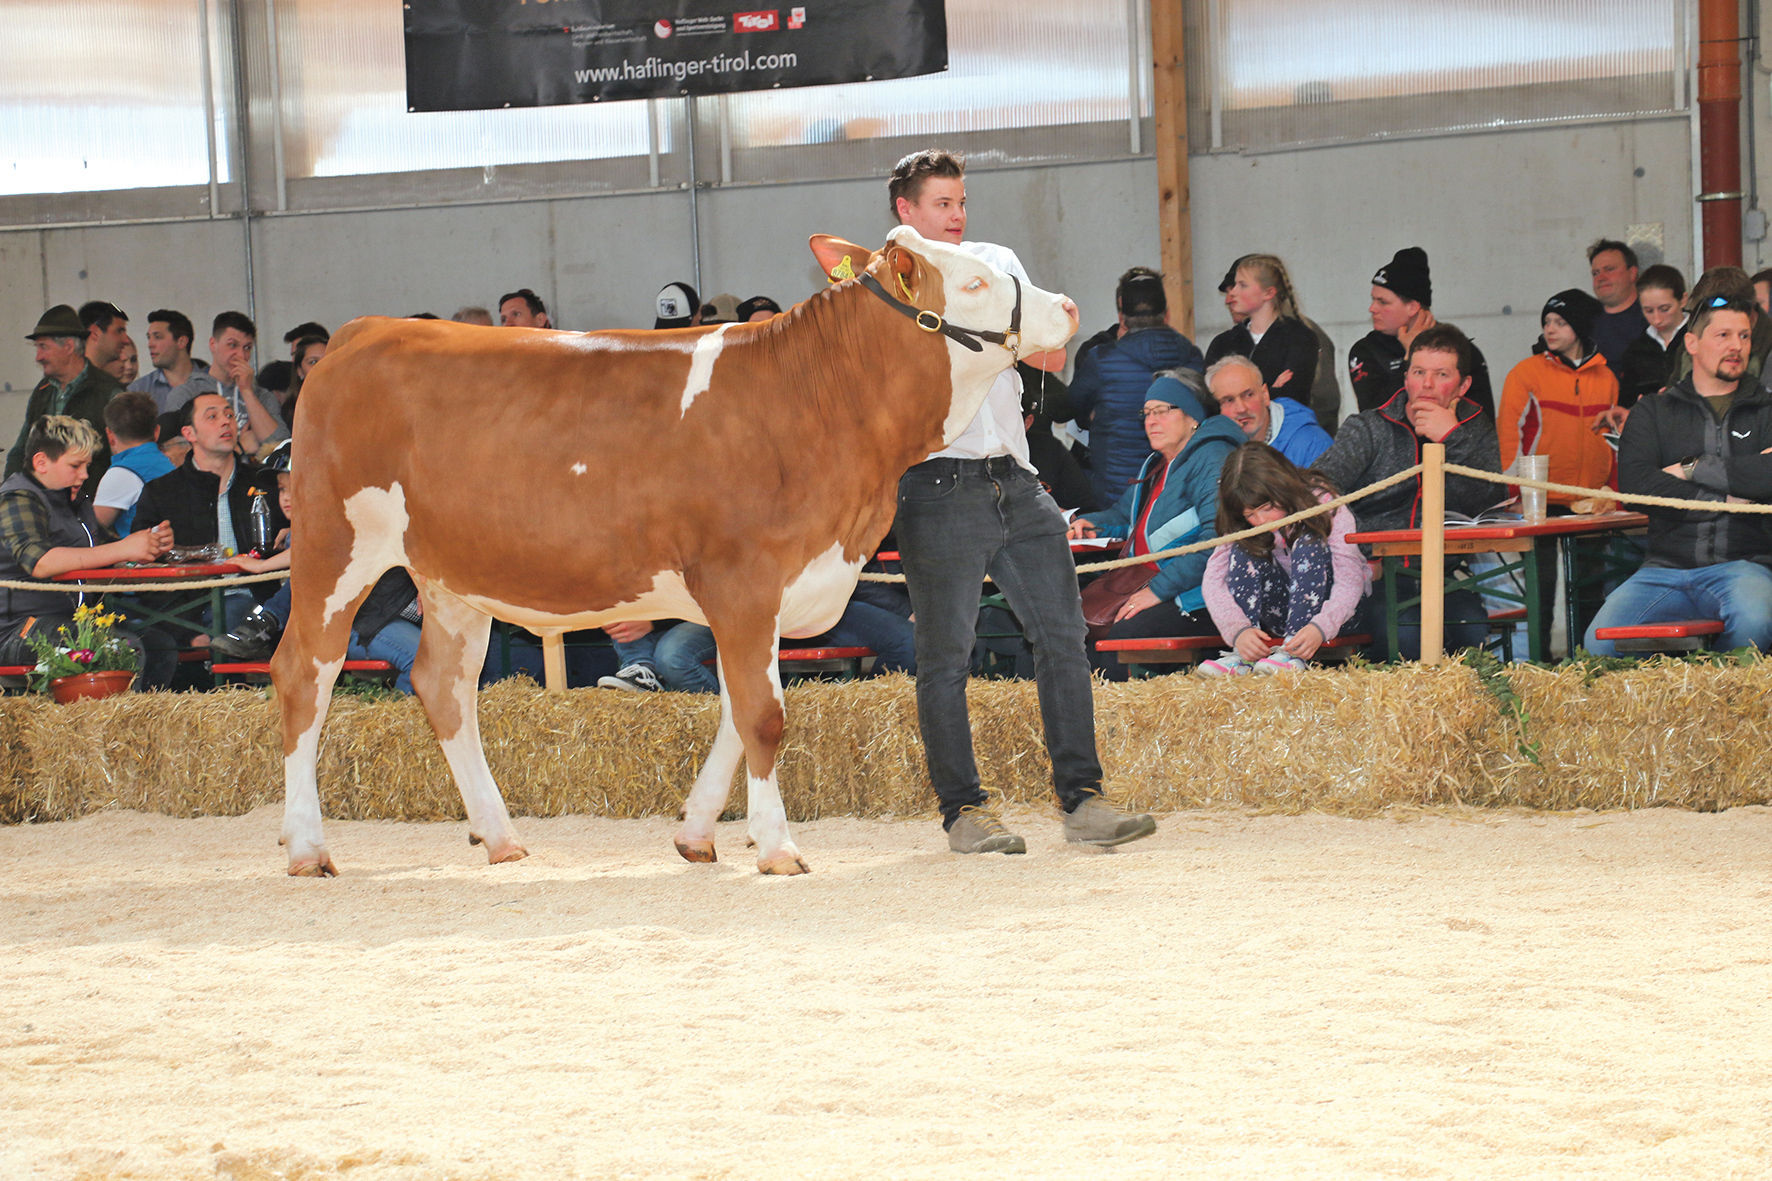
{"x":839,"y":259}
{"x":903,"y":264}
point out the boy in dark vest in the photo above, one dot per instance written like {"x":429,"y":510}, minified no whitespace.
{"x":45,"y":530}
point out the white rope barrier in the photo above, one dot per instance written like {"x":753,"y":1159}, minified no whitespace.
{"x":1327,"y":506}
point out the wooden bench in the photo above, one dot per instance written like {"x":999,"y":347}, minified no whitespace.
{"x":1680,"y":635}
{"x":812,"y":661}
{"x":258,"y":672}
{"x":1193,"y":649}
{"x":1502,"y":625}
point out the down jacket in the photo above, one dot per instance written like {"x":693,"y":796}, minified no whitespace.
{"x":1186,"y":510}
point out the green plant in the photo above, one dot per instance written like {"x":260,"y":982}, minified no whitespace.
{"x":1492,"y":675}
{"x":92,"y":647}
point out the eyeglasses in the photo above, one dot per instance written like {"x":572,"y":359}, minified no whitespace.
{"x":1159,"y":411}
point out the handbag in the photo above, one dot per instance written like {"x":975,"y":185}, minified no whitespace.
{"x":1103,"y":598}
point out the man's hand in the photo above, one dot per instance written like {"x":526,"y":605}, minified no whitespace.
{"x":1281,"y":380}
{"x":147,"y":545}
{"x":1432,"y":421}
{"x":1252,"y":644}
{"x":628,"y":630}
{"x":239,"y":374}
{"x":1407,"y":334}
{"x":1080,"y":528}
{"x":1142,"y":600}
{"x":1304,"y":642}
{"x":1610,"y":420}
{"x":1676,"y":469}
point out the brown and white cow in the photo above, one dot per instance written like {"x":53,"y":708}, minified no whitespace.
{"x":739,"y":475}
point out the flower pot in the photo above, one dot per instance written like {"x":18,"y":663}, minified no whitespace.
{"x":65,"y":689}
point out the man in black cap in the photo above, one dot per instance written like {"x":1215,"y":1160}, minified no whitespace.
{"x":1401,"y":309}
{"x":71,"y":385}
{"x":1108,"y":388}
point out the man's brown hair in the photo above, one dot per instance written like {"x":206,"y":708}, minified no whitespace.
{"x":909,"y":174}
{"x":1444,"y":338}
{"x":132,"y":417}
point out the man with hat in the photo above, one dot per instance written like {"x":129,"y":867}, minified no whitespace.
{"x":1107,"y":390}
{"x":1553,"y":401}
{"x":1401,"y":309}
{"x":721,"y":309}
{"x":758,"y":307}
{"x":677,"y":306}
{"x":71,"y":385}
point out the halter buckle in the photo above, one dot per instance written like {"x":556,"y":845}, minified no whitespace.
{"x":932,"y":324}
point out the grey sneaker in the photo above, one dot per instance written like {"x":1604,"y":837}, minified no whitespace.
{"x":1097,"y":822}
{"x":635,"y":678}
{"x":980,"y":830}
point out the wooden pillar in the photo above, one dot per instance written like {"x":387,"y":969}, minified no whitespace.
{"x":1433,"y":552}
{"x":1169,"y":107}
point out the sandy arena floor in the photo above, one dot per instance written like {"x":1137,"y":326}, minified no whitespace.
{"x":1466,"y":994}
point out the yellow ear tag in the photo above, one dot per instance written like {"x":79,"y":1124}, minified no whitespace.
{"x":908,"y":297}
{"x":843,"y":270}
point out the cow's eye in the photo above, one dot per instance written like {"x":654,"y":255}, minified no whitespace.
{"x":975,"y":285}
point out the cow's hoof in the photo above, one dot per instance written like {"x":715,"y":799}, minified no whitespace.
{"x":512,"y":851}
{"x":698,"y":851}
{"x":318,"y":867}
{"x":786,"y":863}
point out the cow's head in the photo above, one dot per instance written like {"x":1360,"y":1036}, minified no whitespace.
{"x":988,"y":319}
{"x":970,"y":299}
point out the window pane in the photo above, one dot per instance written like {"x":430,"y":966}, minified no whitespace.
{"x":93,"y":102}
{"x":1012,"y":63}
{"x":1286,"y":73}
{"x":342,"y":74}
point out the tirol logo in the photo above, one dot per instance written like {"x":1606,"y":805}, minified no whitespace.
{"x":755,"y":22}
{"x":796,"y":18}
{"x":661,"y":28}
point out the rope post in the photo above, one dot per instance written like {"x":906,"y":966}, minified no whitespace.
{"x":553,"y":661}
{"x":1433,"y":552}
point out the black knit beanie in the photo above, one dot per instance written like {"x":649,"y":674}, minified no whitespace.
{"x":1406,"y":275}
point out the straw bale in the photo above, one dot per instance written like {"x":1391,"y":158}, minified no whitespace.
{"x":1666,"y":732}
{"x":1351,"y":741}
{"x":17,"y":801}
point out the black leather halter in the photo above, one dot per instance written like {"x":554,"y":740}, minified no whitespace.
{"x":930,"y":321}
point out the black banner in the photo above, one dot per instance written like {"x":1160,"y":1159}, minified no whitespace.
{"x":472,"y":55}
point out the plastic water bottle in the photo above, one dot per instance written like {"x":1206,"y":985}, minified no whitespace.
{"x":261,"y":524}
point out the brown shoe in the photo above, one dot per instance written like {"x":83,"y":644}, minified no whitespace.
{"x":981,"y":830}
{"x":1097,"y":822}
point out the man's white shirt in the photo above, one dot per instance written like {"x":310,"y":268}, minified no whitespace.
{"x":997,"y":428}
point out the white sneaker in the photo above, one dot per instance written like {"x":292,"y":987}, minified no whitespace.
{"x":1226,"y":664}
{"x":1280,"y":662}
{"x":635,"y":678}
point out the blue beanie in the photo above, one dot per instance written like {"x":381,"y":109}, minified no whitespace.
{"x":1176,"y":393}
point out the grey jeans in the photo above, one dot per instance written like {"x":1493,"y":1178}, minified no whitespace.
{"x":958,"y":520}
